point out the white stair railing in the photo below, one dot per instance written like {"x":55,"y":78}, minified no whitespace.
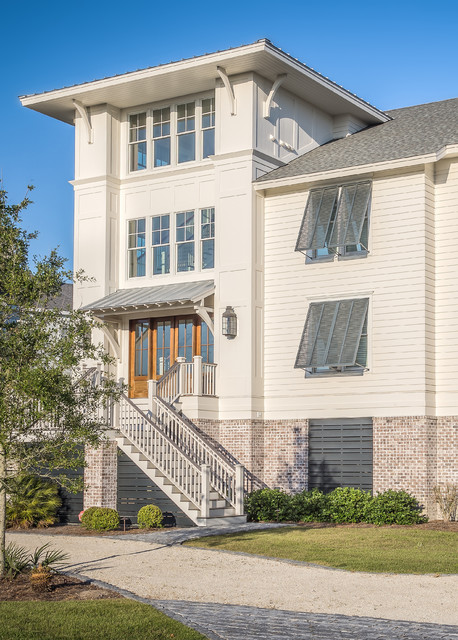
{"x":186,"y":379}
{"x":177,"y":449}
{"x":168,"y":386}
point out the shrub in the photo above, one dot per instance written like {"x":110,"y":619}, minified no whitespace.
{"x":394,"y":507}
{"x":310,"y":506}
{"x":345,"y":504}
{"x":32,"y":502}
{"x":100,"y":519}
{"x":149,"y":517}
{"x":86,"y":518}
{"x":447,"y":500}
{"x":18,"y":560}
{"x":270,"y":504}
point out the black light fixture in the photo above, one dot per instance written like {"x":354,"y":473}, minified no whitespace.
{"x":229,"y":323}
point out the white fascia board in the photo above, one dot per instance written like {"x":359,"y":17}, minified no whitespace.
{"x":448,"y":151}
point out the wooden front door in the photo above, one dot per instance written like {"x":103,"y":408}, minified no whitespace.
{"x":156,"y":343}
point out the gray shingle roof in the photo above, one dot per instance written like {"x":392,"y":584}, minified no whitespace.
{"x":413,"y":131}
{"x":150,"y":296}
{"x":64,"y":300}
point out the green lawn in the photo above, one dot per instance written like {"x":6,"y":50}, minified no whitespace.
{"x":372,"y":549}
{"x":90,"y":620}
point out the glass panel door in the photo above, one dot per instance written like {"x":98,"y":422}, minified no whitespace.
{"x":163,"y":330}
{"x":206,"y":343}
{"x":139,"y":370}
{"x":185,"y":338}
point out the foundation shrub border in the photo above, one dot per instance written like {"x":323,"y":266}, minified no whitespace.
{"x":342,"y":505}
{"x":149,"y":517}
{"x":100,"y":519}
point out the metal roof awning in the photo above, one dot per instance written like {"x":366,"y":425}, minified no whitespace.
{"x":143,"y":298}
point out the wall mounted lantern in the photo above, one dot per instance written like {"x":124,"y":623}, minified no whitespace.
{"x":229,"y":323}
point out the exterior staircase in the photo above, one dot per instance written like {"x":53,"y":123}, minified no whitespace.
{"x":204,"y":480}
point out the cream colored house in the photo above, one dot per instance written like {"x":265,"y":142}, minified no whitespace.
{"x":273,"y":259}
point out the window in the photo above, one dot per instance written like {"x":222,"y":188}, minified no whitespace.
{"x":336,"y":221}
{"x":186,"y":127}
{"x":208,"y":127}
{"x":185,"y":241}
{"x":161,"y":244}
{"x":137,"y":248}
{"x":207,"y":234}
{"x":334,"y":339}
{"x":161,"y":137}
{"x":137,"y":142}
{"x":206,"y":343}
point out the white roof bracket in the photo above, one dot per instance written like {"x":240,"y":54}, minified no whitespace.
{"x":84,"y":113}
{"x":202,"y":311}
{"x":229,"y":89}
{"x":276,"y":85}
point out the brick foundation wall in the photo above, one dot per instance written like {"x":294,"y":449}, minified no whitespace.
{"x":100,"y":476}
{"x":416,"y":453}
{"x":274,"y":450}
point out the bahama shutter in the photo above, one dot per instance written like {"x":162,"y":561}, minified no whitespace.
{"x":317,"y":218}
{"x":332,"y":334}
{"x":351,"y":211}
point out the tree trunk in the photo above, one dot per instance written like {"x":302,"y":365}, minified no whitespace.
{"x":2,"y":510}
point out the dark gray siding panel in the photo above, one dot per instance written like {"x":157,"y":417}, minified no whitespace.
{"x":72,"y":503}
{"x":340,"y":454}
{"x":135,"y":490}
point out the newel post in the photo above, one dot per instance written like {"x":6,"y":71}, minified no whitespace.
{"x":197,"y":376}
{"x":205,"y":507}
{"x":181,"y":376}
{"x":152,"y":394}
{"x":239,"y":485}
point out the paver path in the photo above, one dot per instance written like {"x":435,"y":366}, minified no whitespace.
{"x":198,"y":584}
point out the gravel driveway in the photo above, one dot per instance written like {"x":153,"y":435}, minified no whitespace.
{"x":162,"y":572}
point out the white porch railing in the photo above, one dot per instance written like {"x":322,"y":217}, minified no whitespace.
{"x":194,"y":378}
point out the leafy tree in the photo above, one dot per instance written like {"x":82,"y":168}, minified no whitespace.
{"x":46,"y":410}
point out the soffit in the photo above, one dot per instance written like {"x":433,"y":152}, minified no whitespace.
{"x":170,"y":81}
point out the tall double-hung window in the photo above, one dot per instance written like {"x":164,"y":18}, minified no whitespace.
{"x":185,"y":241}
{"x":161,"y":137}
{"x":208,"y":127}
{"x":334,"y":339}
{"x":336,"y":221}
{"x":137,"y":142}
{"x":161,"y":244}
{"x":186,"y":132}
{"x":137,"y":247}
{"x":207,"y":235}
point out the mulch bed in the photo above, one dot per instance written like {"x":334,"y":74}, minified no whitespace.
{"x":78,"y":530}
{"x":61,"y":588}
{"x":435,"y":525}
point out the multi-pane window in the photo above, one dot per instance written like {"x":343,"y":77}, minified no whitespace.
{"x":141,"y":348}
{"x":208,"y":127}
{"x":185,"y":338}
{"x":206,"y":343}
{"x":137,"y":142}
{"x":161,"y":137}
{"x":186,"y":131}
{"x":161,"y":244}
{"x":137,"y":247}
{"x":185,"y":241}
{"x":336,"y":221}
{"x":207,"y":235}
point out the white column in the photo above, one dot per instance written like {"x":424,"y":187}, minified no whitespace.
{"x":239,"y":481}
{"x":205,"y":507}
{"x":197,"y":376}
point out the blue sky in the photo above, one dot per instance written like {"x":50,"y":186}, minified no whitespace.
{"x":392,"y":54}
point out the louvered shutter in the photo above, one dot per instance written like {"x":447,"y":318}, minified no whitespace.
{"x":317,"y":219}
{"x":332,"y":333}
{"x":351,"y":211}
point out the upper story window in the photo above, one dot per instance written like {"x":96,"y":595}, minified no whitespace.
{"x":136,"y":248}
{"x":180,"y":242}
{"x":137,"y":141}
{"x":334,"y":340}
{"x":336,"y":221}
{"x":161,"y":244}
{"x":172,"y":135}
{"x":161,"y":137}
{"x":208,"y":127}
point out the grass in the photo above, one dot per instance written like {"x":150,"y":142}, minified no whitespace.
{"x":355,"y":549}
{"x":101,"y":620}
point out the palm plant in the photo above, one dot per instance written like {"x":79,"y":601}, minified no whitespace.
{"x":31,"y":502}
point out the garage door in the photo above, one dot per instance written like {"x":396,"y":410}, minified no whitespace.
{"x":340,"y":454}
{"x":135,"y":490}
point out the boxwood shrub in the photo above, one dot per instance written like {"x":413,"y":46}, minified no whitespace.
{"x":100,"y":519}
{"x":341,"y":505}
{"x":149,"y":517}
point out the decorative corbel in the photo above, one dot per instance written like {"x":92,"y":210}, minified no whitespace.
{"x":202,"y":312}
{"x":110,"y":335}
{"x":83,"y":111}
{"x":276,"y":85}
{"x":230,"y":91}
